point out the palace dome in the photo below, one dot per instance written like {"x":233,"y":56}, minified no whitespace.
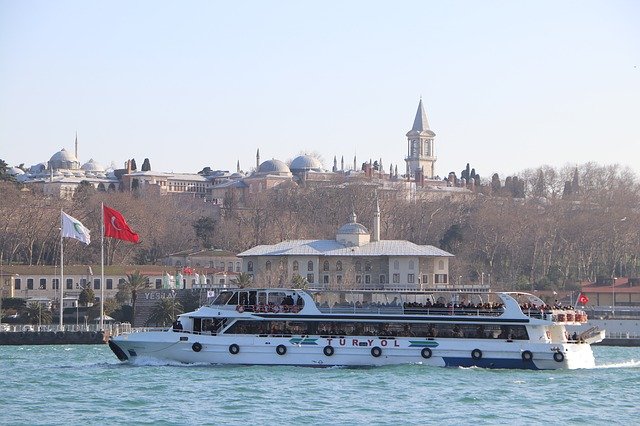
{"x":63,"y":159}
{"x":92,"y":166}
{"x":305,"y":163}
{"x":273,"y":167}
{"x":353,"y":227}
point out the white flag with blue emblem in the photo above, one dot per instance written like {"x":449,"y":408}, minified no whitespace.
{"x":72,"y":228}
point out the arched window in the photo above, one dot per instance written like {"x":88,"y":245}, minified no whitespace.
{"x":325,"y":265}
{"x":367,"y":266}
{"x":396,"y":265}
{"x":382,"y":279}
{"x":310,"y":265}
{"x":295,"y":265}
{"x":358,"y":266}
{"x":441,"y":264}
{"x":250,"y":266}
{"x":267,"y":265}
{"x":411,"y":264}
{"x":339,"y":265}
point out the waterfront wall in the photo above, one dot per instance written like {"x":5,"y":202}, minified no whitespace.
{"x":53,"y":337}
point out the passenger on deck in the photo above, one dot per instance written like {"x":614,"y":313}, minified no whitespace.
{"x":287,"y":300}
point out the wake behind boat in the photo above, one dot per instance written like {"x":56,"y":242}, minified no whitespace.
{"x":369,"y":328}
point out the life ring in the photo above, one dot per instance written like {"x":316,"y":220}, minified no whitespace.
{"x":234,"y":349}
{"x":426,"y":353}
{"x":376,"y":352}
{"x":281,"y":349}
{"x":328,"y":350}
{"x":240,"y":308}
{"x":558,"y":357}
{"x":527,"y":356}
{"x":197,"y":347}
{"x":476,"y":354}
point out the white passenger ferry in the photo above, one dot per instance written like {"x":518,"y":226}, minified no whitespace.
{"x":369,"y":328}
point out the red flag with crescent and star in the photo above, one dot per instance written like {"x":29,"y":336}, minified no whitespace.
{"x":116,"y":227}
{"x":583,"y":299}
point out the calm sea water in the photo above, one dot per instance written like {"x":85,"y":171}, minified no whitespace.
{"x":87,"y":385}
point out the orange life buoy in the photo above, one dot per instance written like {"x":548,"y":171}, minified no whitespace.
{"x":240,"y":308}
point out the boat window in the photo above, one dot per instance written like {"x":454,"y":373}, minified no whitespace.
{"x":379,"y":329}
{"x":222,"y":298}
{"x":197,"y":325}
{"x":243,"y":298}
{"x":275,"y":298}
{"x":233,"y":300}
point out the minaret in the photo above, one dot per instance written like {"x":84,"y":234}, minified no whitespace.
{"x":238,"y":167}
{"x":76,"y":144}
{"x":257,"y":159}
{"x":335,"y":164}
{"x":420,"y":146}
{"x":354,"y":163}
{"x":375,"y":235}
{"x":342,"y":163}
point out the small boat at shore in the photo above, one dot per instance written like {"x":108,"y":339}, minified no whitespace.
{"x":321,"y":328}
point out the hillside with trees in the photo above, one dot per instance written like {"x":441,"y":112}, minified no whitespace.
{"x":542,"y":228}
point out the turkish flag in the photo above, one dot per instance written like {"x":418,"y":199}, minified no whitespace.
{"x":116,"y":227}
{"x":583,"y":299}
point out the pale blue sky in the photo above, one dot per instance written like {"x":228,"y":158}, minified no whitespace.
{"x":507,"y":84}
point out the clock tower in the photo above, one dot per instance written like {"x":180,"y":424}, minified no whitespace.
{"x":420,"y":146}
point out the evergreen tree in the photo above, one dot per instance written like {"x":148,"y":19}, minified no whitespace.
{"x":133,"y":164}
{"x":496,"y":186}
{"x":205,"y":230}
{"x":146,"y":165}
{"x":86,"y":296}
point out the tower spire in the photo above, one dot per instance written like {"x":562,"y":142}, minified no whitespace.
{"x":420,"y":123}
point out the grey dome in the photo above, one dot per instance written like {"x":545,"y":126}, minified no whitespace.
{"x":353,"y":227}
{"x":64,"y":160}
{"x":92,"y":166}
{"x":14,"y":171}
{"x":304,"y":163}
{"x":273,"y":167}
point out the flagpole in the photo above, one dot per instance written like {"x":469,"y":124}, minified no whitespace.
{"x":102,"y":266}
{"x":60,"y":284}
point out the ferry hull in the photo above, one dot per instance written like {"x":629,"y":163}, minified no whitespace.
{"x":349,"y":352}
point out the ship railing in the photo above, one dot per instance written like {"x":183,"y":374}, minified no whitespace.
{"x":622,"y":335}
